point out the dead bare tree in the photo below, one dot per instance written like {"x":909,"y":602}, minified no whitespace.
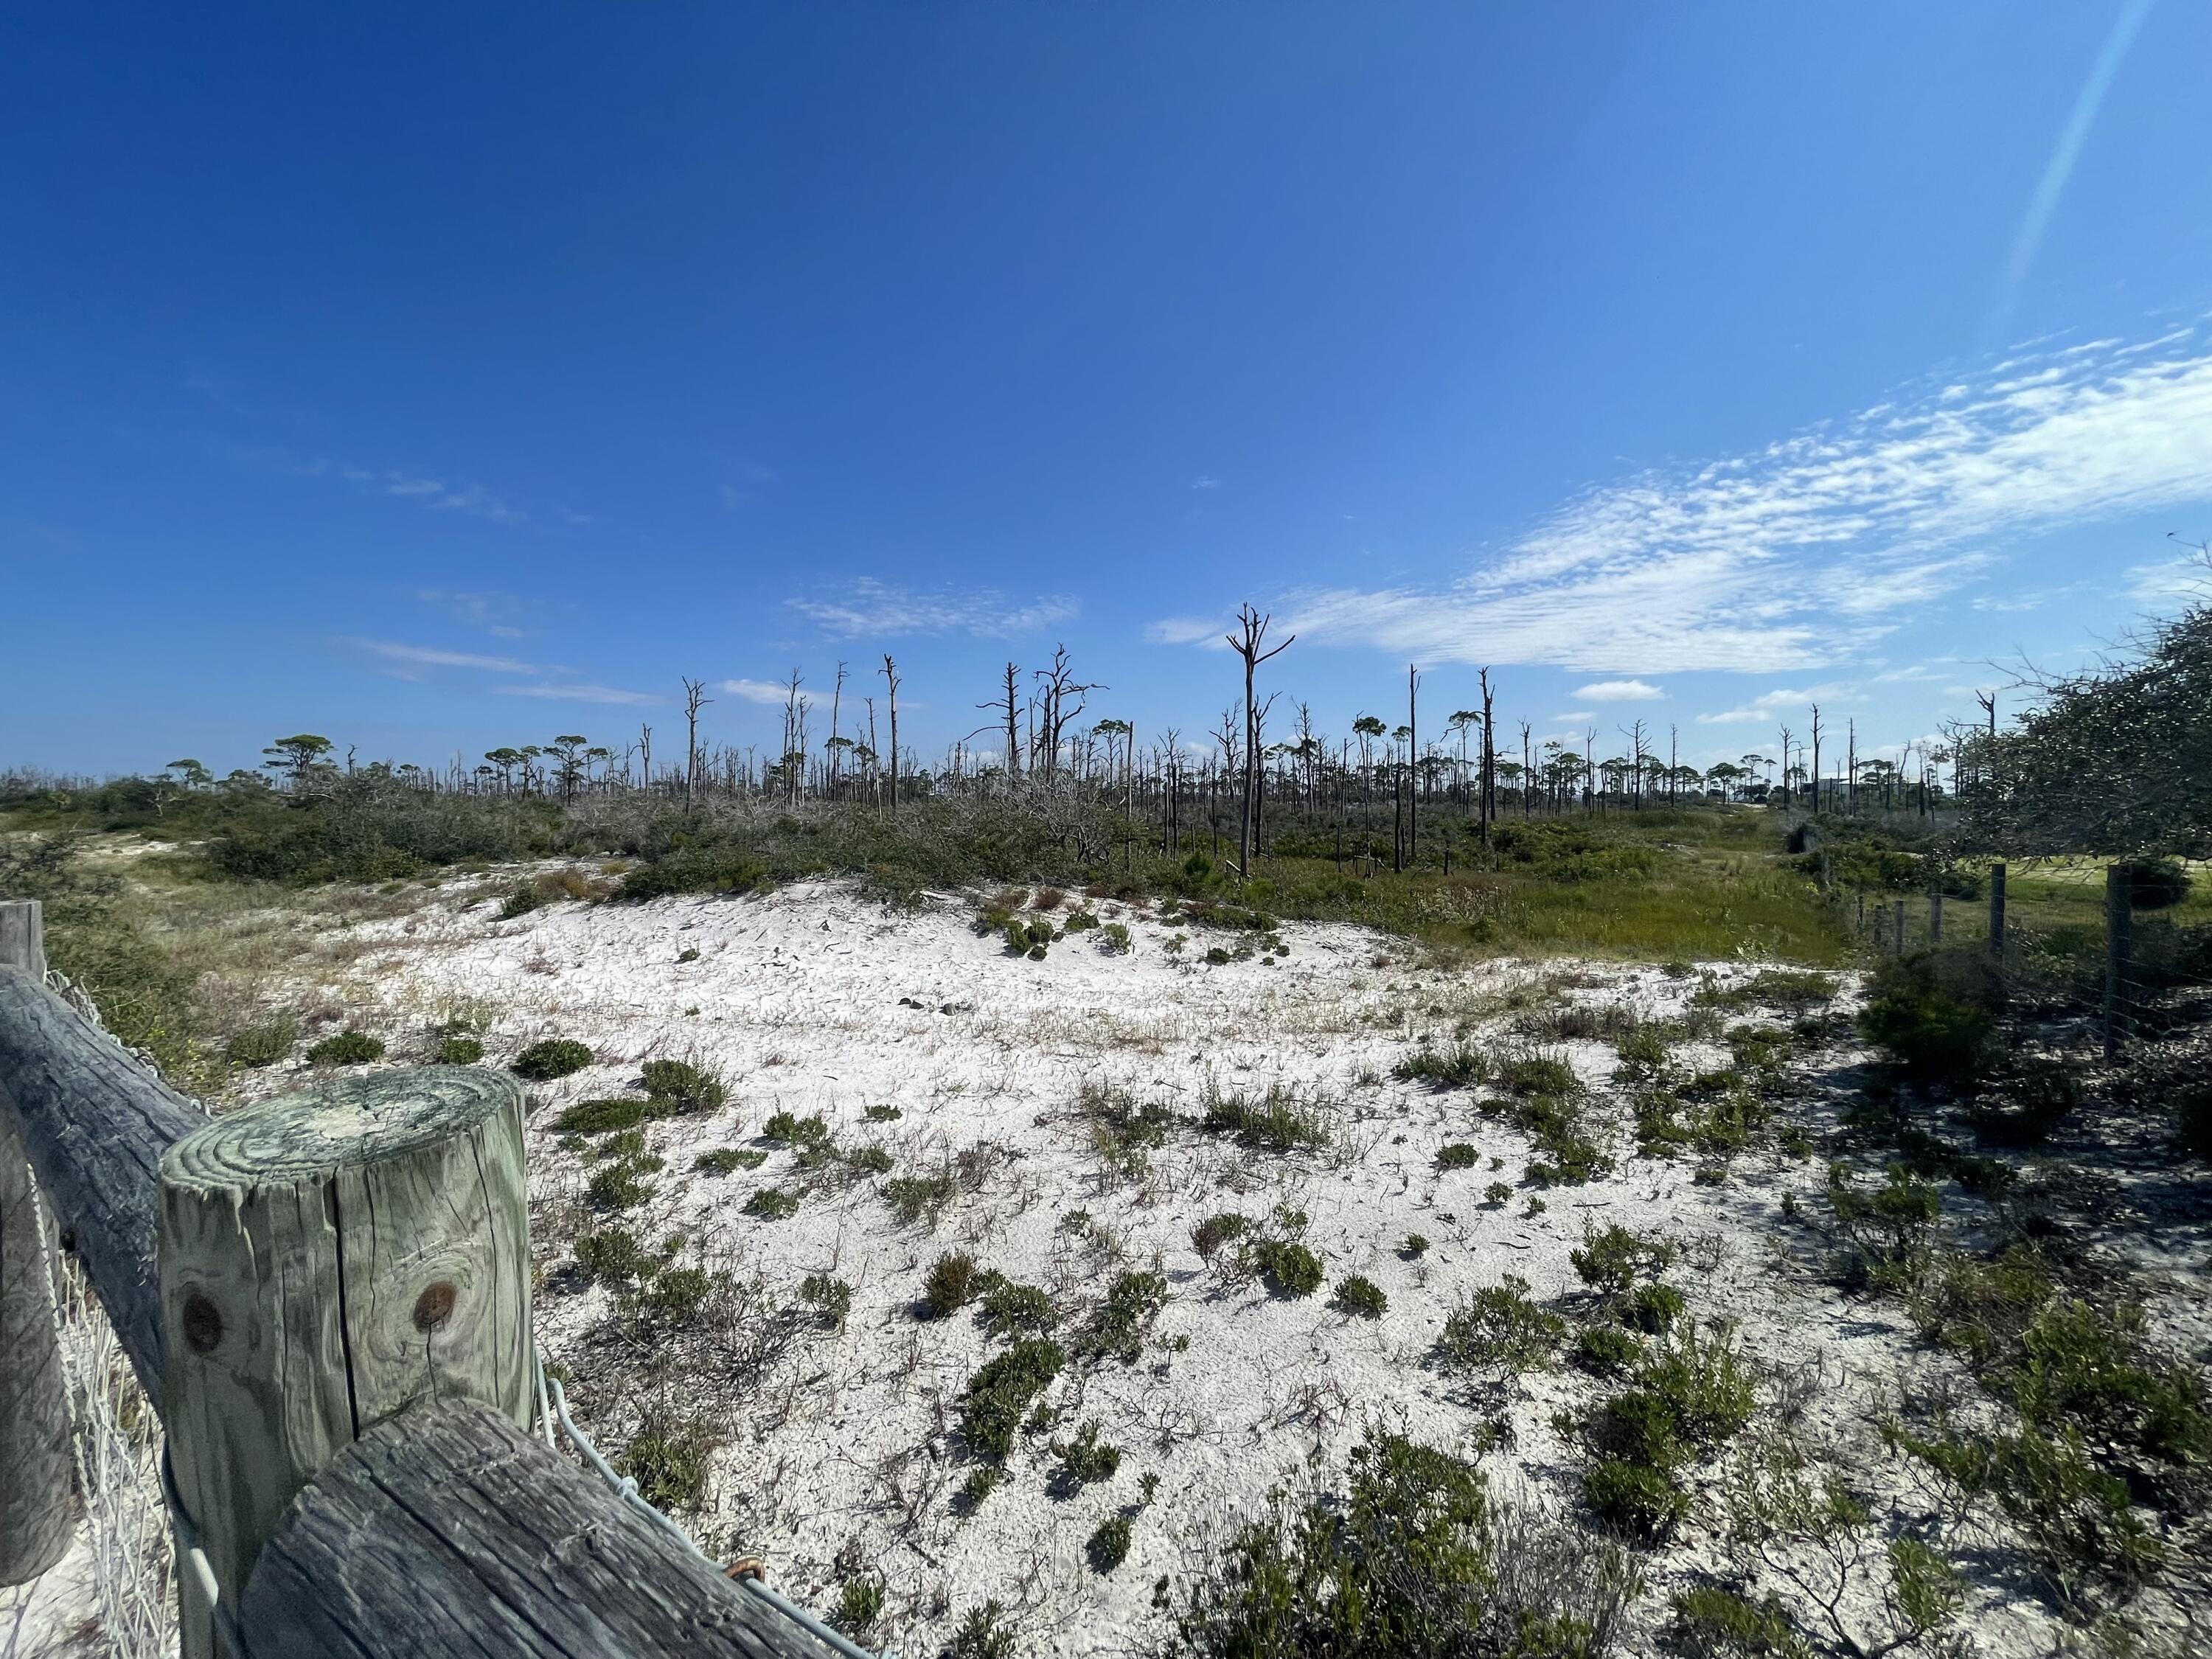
{"x":1007,"y":705}
{"x":890,"y":679}
{"x":1057,"y":684}
{"x":1252,"y":632}
{"x":794,"y":737}
{"x":695,"y":699}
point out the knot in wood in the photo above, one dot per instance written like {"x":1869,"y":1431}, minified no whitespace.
{"x":434,"y":1306}
{"x":203,"y":1322}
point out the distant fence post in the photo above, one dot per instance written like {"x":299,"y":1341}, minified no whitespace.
{"x":2119,"y":928}
{"x":1935,"y":918}
{"x":326,"y":1260}
{"x":38,"y":1511}
{"x":1898,"y":924}
{"x":1996,"y":912}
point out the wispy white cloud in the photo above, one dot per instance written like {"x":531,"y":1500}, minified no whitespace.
{"x":603,"y":694}
{"x":869,"y":608}
{"x":1779,"y":704}
{"x":1575,"y":714}
{"x":1809,"y":549}
{"x":1205,"y":481}
{"x":469,"y":498}
{"x":1188,"y":630}
{"x":427,"y":656}
{"x":762,"y":691}
{"x":1619,"y":691}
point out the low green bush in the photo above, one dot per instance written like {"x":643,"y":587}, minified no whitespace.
{"x":1277,"y":1122}
{"x":1499,"y":1326}
{"x":1133,"y":1301}
{"x":667,"y":1458}
{"x":1013,"y":1309}
{"x":1613,"y":1260}
{"x":998,"y":1395}
{"x":860,"y":1604}
{"x":682,"y":1088}
{"x":1456,"y":1065}
{"x":555,"y":1057}
{"x":1211,"y":1234}
{"x":347,"y":1048}
{"x":459,"y":1051}
{"x":1934,"y":1014}
{"x":694,"y":867}
{"x":1706,"y":1382}
{"x":772,"y":1204}
{"x":1458,"y":1155}
{"x":1713,"y":1622}
{"x":727,"y":1160}
{"x":1086,"y":1459}
{"x":613,"y":1256}
{"x":1109,"y":1545}
{"x":1636,"y":1499}
{"x":912,"y":1197}
{"x":1606,"y":1350}
{"x":1360,"y":1297}
{"x":830,"y":1298}
{"x":1650,"y":1309}
{"x":617,"y":1187}
{"x":594,"y":1117}
{"x":950,"y":1285}
{"x":264,"y":1044}
{"x":1290,"y":1268}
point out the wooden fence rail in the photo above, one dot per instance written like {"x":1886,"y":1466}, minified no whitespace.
{"x":328,"y":1299}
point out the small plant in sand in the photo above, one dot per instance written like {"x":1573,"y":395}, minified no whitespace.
{"x":1113,"y":940}
{"x":1360,"y":1297}
{"x":1133,"y":1302}
{"x":1086,"y":1459}
{"x":264,"y":1044}
{"x":1456,"y":1065}
{"x":619,"y":1186}
{"x":915,"y":1197}
{"x":982,"y":1480}
{"x":1277,"y":1122}
{"x":999,"y":1394}
{"x":348,"y":1048}
{"x":983,"y":1634}
{"x":1606,"y":1350}
{"x":860,"y":1604}
{"x":1497,"y":1194}
{"x":830,"y":1298}
{"x":1288,"y":1267}
{"x":772,"y":1204}
{"x":868,"y":1161}
{"x":667,"y":1458}
{"x":883,"y":1113}
{"x":554,"y":1058}
{"x":613,"y":1256}
{"x":1216,"y":1231}
{"x":1029,"y":939}
{"x":1080,"y":921}
{"x":1009,"y":1307}
{"x":1499,"y":1328}
{"x":727,"y":1160}
{"x":1458,"y":1155}
{"x":1613,"y":1260}
{"x":950,"y":1286}
{"x":1414,"y":1246}
{"x":595,"y":1117}
{"x":678,"y":1088}
{"x":1109,"y":1545}
{"x":459,"y":1051}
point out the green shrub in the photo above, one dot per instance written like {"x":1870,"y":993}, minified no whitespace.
{"x":1211,"y":1234}
{"x":521,"y":899}
{"x":459,"y":1051}
{"x":950,"y":1285}
{"x":912,"y":1197}
{"x":1650,"y":1309}
{"x":2157,"y":884}
{"x":1613,"y":1261}
{"x":1458,"y":1155}
{"x":1108,"y":1547}
{"x":772,"y":1204}
{"x":1641,"y":1502}
{"x":1133,"y":1302}
{"x":1113,"y":940}
{"x":785,"y":1129}
{"x":675,"y":1296}
{"x":1711,"y":1622}
{"x":869,"y":1161}
{"x":1606,"y":1350}
{"x":1000,"y":1393}
{"x":1086,"y":1458}
{"x":630,"y":1144}
{"x":347,"y":1048}
{"x":982,"y":1480}
{"x":595,"y":1118}
{"x":1497,"y":1192}
{"x":682,"y":1088}
{"x":667,"y":1458}
{"x":1934,"y":1014}
{"x":1499,"y":1326}
{"x":618,"y":1187}
{"x":1706,"y":1384}
{"x":1361,"y":1298}
{"x":556,"y":1057}
{"x":860,"y":1604}
{"x":1457,"y":1065}
{"x":983,"y":1634}
{"x":727,"y":1160}
{"x":883,"y":1113}
{"x":1290,"y":1268}
{"x":1013,"y":1309}
{"x":1277,"y":1122}
{"x":1080,"y":921}
{"x":694,"y":867}
{"x":264,"y":1044}
{"x":1533,"y":1073}
{"x":1640,"y":1427}
{"x":1414,"y":1248}
{"x":830,"y":1298}
{"x":1028,"y":939}
{"x":613,"y":1256}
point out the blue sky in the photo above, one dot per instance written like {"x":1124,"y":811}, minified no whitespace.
{"x":441,"y":378}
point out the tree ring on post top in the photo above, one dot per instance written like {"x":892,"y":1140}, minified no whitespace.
{"x":348,"y":1120}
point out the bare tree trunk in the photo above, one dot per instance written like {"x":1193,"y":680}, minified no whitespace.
{"x":890,"y":678}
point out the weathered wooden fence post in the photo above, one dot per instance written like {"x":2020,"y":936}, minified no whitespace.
{"x":1996,"y":912}
{"x":1898,"y":919}
{"x":2119,"y":930}
{"x":1935,"y":918}
{"x":38,"y":1511}
{"x":326,"y":1260}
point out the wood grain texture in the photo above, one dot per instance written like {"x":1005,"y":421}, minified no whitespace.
{"x":326,"y":1260}
{"x":95,"y":1124}
{"x":447,"y":1531}
{"x":38,"y":1509}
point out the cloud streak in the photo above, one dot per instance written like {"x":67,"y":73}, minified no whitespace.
{"x":1809,"y":549}
{"x":872,"y":609}
{"x":600,"y":694}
